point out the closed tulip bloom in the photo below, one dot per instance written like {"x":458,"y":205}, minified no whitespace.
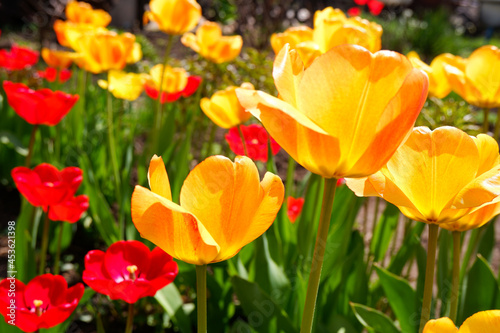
{"x":69,"y":210}
{"x":484,"y":321}
{"x":475,"y":79}
{"x":224,"y":109}
{"x":45,"y":185}
{"x":344,"y":120}
{"x":82,"y":12}
{"x":68,"y":33}
{"x":438,"y":176}
{"x":40,"y":107}
{"x":223,"y":207}
{"x":193,"y":82}
{"x":128,"y":86}
{"x":128,"y":270}
{"x":211,"y":45}
{"x":58,"y":59}
{"x":46,"y":301}
{"x":174,"y":80}
{"x":101,"y":51}
{"x":18,"y":58}
{"x":174,"y":17}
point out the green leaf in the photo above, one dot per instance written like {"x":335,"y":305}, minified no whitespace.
{"x":374,"y":319}
{"x":384,"y":232}
{"x":170,"y":299}
{"x":8,"y":138}
{"x":269,"y":275}
{"x":487,"y":242}
{"x":402,"y":298}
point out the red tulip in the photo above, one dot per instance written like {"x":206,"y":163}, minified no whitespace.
{"x":360,"y":2}
{"x":256,"y":138}
{"x":69,"y":210}
{"x":40,"y":107}
{"x":18,"y":58}
{"x":294,"y":208}
{"x":128,"y":271}
{"x":354,"y":11}
{"x":45,"y":185}
{"x":193,"y":82}
{"x":46,"y":301}
{"x":50,"y":74}
{"x":375,"y":7}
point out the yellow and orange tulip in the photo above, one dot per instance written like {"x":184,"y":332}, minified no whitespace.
{"x":82,"y":12}
{"x":344,"y":120}
{"x":438,"y":177}
{"x":100,"y":51}
{"x":174,"y":17}
{"x":480,"y":322}
{"x":211,"y":45}
{"x":68,"y":33}
{"x":135,"y":55}
{"x":128,"y":86}
{"x":223,"y":207}
{"x":58,"y":59}
{"x":224,"y":109}
{"x":175,"y":79}
{"x":300,"y":39}
{"x":475,"y":79}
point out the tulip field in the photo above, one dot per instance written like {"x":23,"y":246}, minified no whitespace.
{"x":342,"y":178}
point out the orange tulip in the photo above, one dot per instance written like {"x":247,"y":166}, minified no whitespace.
{"x":210,"y":44}
{"x":135,"y":55}
{"x":475,"y":79}
{"x":58,"y":59}
{"x":484,"y":321}
{"x":224,"y":109}
{"x":175,"y":79}
{"x":82,"y":12}
{"x":344,"y":120}
{"x":438,"y":81}
{"x":439,"y":177}
{"x":223,"y":207}
{"x":101,"y":51}
{"x":68,"y":33}
{"x":300,"y":39}
{"x":174,"y":17}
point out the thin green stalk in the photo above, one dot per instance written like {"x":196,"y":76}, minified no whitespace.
{"x":486,"y":124}
{"x":45,"y":242}
{"x":319,"y":255}
{"x":30,"y":146}
{"x":130,"y":319}
{"x":58,"y":252}
{"x":114,"y":162}
{"x":429,"y":275}
{"x":240,"y":131}
{"x":455,"y":275}
{"x":201,"y":297}
{"x":290,"y":172}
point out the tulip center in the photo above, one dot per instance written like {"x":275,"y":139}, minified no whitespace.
{"x":131,"y":272}
{"x":38,"y":310}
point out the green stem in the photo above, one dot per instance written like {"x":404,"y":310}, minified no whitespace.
{"x":58,"y":252}
{"x":201,"y":297}
{"x":486,"y":125}
{"x":290,"y":172}
{"x":240,"y":131}
{"x":130,"y":319}
{"x":45,"y":242}
{"x":429,"y":275}
{"x":30,"y":147}
{"x":319,"y":255}
{"x":455,"y":275}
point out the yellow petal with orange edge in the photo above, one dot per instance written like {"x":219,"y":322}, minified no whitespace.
{"x":441,"y":325}
{"x":208,"y":33}
{"x":442,"y":87}
{"x":175,"y":17}
{"x":292,"y":36}
{"x":483,"y":72}
{"x":308,"y":52}
{"x":172,"y":228}
{"x":227,"y":49}
{"x":305,"y":141}
{"x":432,"y":167}
{"x":158,"y":178}
{"x":135,"y":55}
{"x":484,"y":321}
{"x":230,"y":201}
{"x":368,"y":101}
{"x":287,"y":73}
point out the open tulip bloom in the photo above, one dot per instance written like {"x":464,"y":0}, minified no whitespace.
{"x":18,"y":58}
{"x":342,"y":120}
{"x":223,"y":206}
{"x":174,"y":17}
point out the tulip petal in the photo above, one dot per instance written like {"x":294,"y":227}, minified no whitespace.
{"x":488,"y":152}
{"x":158,"y":178}
{"x":122,"y":254}
{"x":484,"y":321}
{"x":287,"y":72}
{"x":441,"y":325}
{"x":481,"y":190}
{"x":485,"y":78}
{"x":172,"y":228}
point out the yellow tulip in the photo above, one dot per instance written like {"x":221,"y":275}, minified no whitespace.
{"x":341,"y":120}
{"x":135,"y":55}
{"x":438,"y":81}
{"x":175,"y":79}
{"x":223,"y":207}
{"x":438,"y":177}
{"x":82,"y":12}
{"x":68,"y":33}
{"x":174,"y":17}
{"x":210,"y":44}
{"x":476,"y":79}
{"x":123,"y":85}
{"x":300,"y":39}
{"x":101,"y":51}
{"x":224,"y":109}
{"x":480,"y":322}
{"x":58,"y":59}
